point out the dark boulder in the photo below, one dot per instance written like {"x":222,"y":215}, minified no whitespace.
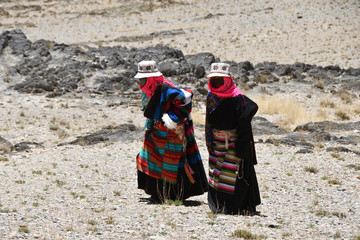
{"x":5,"y":145}
{"x":201,"y":59}
{"x":328,"y":126}
{"x":25,"y":146}
{"x":318,"y":135}
{"x":109,"y":133}
{"x":18,"y":42}
{"x":342,"y":149}
{"x":261,"y":126}
{"x":353,"y":72}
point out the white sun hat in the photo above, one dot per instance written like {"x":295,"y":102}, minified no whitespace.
{"x":219,"y":70}
{"x":147,"y":69}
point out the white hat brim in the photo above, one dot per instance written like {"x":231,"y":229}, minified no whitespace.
{"x":217,"y":75}
{"x":145,"y":75}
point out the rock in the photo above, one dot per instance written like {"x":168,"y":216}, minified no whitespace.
{"x":169,"y":68}
{"x":199,"y":71}
{"x":150,"y":36}
{"x":265,"y":77}
{"x":349,"y":82}
{"x":4,"y":40}
{"x":56,"y":69}
{"x":23,"y":146}
{"x":351,"y":139}
{"x":353,"y":72}
{"x":318,"y":135}
{"x":18,"y":42}
{"x":341,"y":149}
{"x":283,"y":69}
{"x":295,"y":139}
{"x":201,"y":59}
{"x":261,"y":126}
{"x":305,"y":150}
{"x":109,"y":133}
{"x":328,"y":126}
{"x":5,"y":145}
{"x":265,"y":66}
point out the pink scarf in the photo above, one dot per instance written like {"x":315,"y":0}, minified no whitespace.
{"x":152,"y":83}
{"x":228,"y":89}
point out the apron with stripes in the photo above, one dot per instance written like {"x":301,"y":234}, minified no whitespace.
{"x":224,"y":165}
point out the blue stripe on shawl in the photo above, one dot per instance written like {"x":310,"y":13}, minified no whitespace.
{"x":165,"y":98}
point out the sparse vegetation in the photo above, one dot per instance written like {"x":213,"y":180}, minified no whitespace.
{"x":92,"y":222}
{"x":291,"y":111}
{"x":173,"y":202}
{"x":322,"y":213}
{"x":54,"y":127}
{"x":89,"y":191}
{"x":319,"y":84}
{"x":327,"y":103}
{"x":342,"y":115}
{"x":110,"y":220}
{"x":4,"y":210}
{"x":311,"y":170}
{"x":345,"y":96}
{"x":24,"y":230}
{"x":337,"y":156}
{"x":60,"y":183}
{"x":4,"y":159}
{"x":337,"y":235}
{"x":246,"y":235}
{"x":334,"y":182}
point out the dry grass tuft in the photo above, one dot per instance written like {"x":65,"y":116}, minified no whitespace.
{"x":342,"y":115}
{"x":246,"y":235}
{"x":345,"y":96}
{"x":198,"y":118}
{"x":327,"y":103}
{"x":291,"y":111}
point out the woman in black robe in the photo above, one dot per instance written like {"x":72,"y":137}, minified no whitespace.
{"x":230,"y":143}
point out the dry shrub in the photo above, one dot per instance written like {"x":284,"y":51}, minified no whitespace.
{"x":244,"y":234}
{"x":345,"y":96}
{"x":319,"y":84}
{"x":198,"y":118}
{"x":321,"y":115}
{"x":357,"y":109}
{"x":342,"y":115}
{"x":290,"y":110}
{"x":327,"y":103}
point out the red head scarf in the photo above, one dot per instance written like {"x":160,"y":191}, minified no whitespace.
{"x":228,"y":89}
{"x":152,"y":83}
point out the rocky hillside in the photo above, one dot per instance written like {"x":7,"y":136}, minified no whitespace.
{"x":70,"y":128}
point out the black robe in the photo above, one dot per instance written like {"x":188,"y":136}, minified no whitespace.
{"x":236,"y":113}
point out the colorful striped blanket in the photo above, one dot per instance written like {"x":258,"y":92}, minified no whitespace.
{"x":161,"y":153}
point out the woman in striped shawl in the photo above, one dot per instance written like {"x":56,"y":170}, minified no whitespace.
{"x":169,"y":164}
{"x":229,"y":139}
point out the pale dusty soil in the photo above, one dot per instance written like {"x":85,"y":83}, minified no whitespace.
{"x":315,"y":32}
{"x":89,"y":192}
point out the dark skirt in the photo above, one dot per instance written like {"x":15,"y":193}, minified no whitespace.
{"x":161,"y":190}
{"x":244,"y":200}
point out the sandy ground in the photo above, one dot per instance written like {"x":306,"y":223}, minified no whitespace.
{"x":315,"y":32}
{"x":89,"y":192}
